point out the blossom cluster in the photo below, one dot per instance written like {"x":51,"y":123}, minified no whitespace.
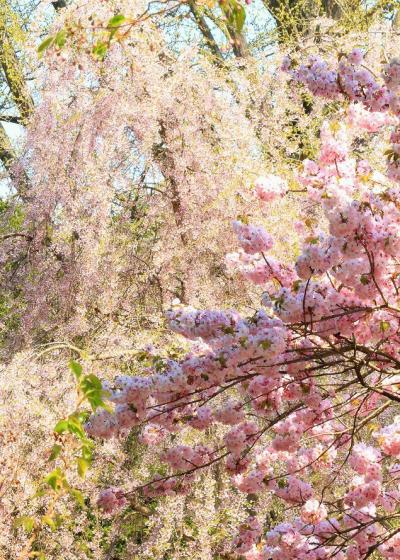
{"x":295,"y":385}
{"x":375,"y":101}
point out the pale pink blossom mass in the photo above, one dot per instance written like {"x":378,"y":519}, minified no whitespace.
{"x":216,"y":248}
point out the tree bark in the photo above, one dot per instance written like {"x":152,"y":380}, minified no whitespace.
{"x":14,"y":75}
{"x":292,"y":17}
{"x":7,"y":157}
{"x":206,"y":31}
{"x":58,"y":4}
{"x":19,"y":91}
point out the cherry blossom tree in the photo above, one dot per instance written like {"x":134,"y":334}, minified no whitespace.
{"x":307,"y":387}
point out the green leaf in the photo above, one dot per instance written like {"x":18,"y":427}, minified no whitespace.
{"x":76,"y":368}
{"x":48,"y":520}
{"x":305,"y":389}
{"x":240,"y":17}
{"x":296,"y":285}
{"x":83,"y":466}
{"x":55,"y":479}
{"x":91,"y":383}
{"x":78,"y":496}
{"x":61,"y":426}
{"x":100,"y":50}
{"x":265,"y":344}
{"x":60,"y":38}
{"x":87,"y":453}
{"x":26,"y":522}
{"x":384,"y":326}
{"x":244,"y":219}
{"x":75,"y":426}
{"x":93,"y":390}
{"x":55,"y":452}
{"x":45,"y":44}
{"x":116,"y":21}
